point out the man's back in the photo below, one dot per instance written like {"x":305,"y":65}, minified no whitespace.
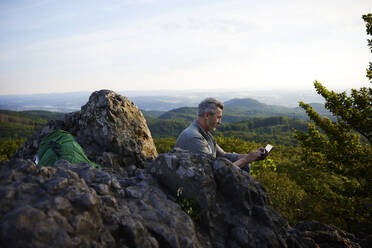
{"x":194,"y":139}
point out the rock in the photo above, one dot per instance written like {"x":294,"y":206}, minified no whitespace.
{"x":234,"y":207}
{"x":110,"y":128}
{"x":61,"y":209}
{"x":321,"y":235}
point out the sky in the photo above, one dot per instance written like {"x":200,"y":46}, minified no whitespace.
{"x":51,"y":46}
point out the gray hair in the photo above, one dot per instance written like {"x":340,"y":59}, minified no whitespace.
{"x":209,"y":105}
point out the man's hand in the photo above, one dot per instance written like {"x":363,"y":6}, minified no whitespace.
{"x":255,"y":155}
{"x":259,"y":154}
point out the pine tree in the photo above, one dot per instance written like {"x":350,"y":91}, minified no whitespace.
{"x":336,"y":147}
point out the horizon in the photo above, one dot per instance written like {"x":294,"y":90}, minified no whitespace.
{"x":157,"y":100}
{"x":50,"y":46}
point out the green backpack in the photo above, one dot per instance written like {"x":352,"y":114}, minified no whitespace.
{"x":58,"y":145}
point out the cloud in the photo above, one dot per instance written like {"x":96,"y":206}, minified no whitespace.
{"x":210,"y":44}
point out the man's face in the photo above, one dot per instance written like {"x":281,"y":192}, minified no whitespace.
{"x":214,"y":120}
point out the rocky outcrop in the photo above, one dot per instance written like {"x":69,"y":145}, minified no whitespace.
{"x":78,"y":206}
{"x":111,"y":130}
{"x":234,"y":208}
{"x":177,"y":199}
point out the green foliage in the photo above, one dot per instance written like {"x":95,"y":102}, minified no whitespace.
{"x":264,"y":130}
{"x":8,"y":147}
{"x":232,"y":144}
{"x":166,"y":128}
{"x":41,"y":115}
{"x":338,"y":153}
{"x":31,"y":116}
{"x":187,"y":114}
{"x":164,"y":145}
{"x":286,"y":155}
{"x":327,"y":199}
{"x":190,"y":206}
{"x":16,"y":127}
{"x":368,"y":20}
{"x":339,"y":149}
{"x":353,"y":112}
{"x":17,"y":130}
{"x":300,"y":192}
{"x":286,"y":196}
{"x":22,"y":124}
{"x":260,"y":130}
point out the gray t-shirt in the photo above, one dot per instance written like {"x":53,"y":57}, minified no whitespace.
{"x":196,"y":140}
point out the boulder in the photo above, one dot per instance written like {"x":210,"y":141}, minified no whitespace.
{"x":111,"y":130}
{"x":233,"y":208}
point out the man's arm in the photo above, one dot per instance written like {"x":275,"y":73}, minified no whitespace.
{"x":255,"y":155}
{"x":241,"y":160}
{"x":230,"y":156}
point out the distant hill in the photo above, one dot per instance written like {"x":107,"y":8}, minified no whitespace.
{"x":246,"y":118}
{"x":248,"y":104}
{"x":184,"y":114}
{"x":239,"y":109}
{"x":162,"y":128}
{"x":152,"y":113}
{"x":162,"y":100}
{"x":54,"y":102}
{"x":243,"y":103}
{"x":33,"y":115}
{"x":319,"y":108}
{"x":275,"y":130}
{"x":255,"y":108}
{"x":22,"y":124}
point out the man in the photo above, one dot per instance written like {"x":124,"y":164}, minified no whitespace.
{"x":197,"y":138}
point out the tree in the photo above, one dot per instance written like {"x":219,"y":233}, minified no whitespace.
{"x":368,"y":20}
{"x":335,"y":146}
{"x":8,"y":147}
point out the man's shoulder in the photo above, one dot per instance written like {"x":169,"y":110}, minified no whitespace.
{"x":185,"y":139}
{"x":191,"y":131}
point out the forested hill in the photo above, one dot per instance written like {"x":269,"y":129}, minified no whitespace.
{"x":276,"y":130}
{"x":241,"y":109}
{"x":243,"y":118}
{"x":35,"y":116}
{"x":22,"y":124}
{"x":184,"y":114}
{"x":246,"y":118}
